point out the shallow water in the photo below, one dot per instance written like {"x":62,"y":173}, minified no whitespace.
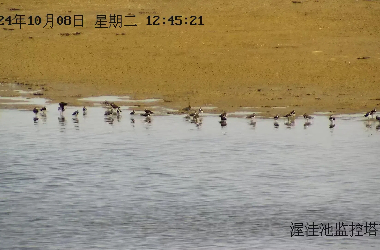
{"x":89,"y":183}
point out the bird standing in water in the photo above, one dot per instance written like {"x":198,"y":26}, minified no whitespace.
{"x":61,"y":107}
{"x":332,"y":119}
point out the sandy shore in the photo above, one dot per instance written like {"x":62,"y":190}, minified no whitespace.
{"x":310,"y":56}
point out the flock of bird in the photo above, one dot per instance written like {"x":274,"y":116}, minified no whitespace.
{"x":193,"y":116}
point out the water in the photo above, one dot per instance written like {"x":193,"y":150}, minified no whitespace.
{"x":89,"y":184}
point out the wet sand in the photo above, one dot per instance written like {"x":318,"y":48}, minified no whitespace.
{"x":265,"y":54}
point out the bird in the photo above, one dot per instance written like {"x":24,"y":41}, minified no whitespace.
{"x":291,"y":114}
{"x":35,"y":111}
{"x":145,"y":114}
{"x":133,"y":112}
{"x":223,"y":116}
{"x":84,"y":109}
{"x":332,"y":119}
{"x":76,"y":113}
{"x":200,"y":110}
{"x":61,"y":107}
{"x":113,"y":105}
{"x":251,"y":115}
{"x":276,"y":117}
{"x":43,"y":109}
{"x":147,"y":111}
{"x":373,"y":111}
{"x":307,"y":117}
{"x":370,"y":113}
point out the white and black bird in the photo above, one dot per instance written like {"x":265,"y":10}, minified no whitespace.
{"x":145,"y":114}
{"x":223,"y":116}
{"x":192,"y":114}
{"x":114,"y":106}
{"x":307,"y":117}
{"x":291,"y":114}
{"x":373,"y":111}
{"x":43,"y":109}
{"x":61,"y":107}
{"x":147,"y":111}
{"x":370,"y":113}
{"x":253,"y":115}
{"x":332,"y":119}
{"x":35,"y":111}
{"x":133,"y":112}
{"x":76,"y":113}
{"x":276,"y":117}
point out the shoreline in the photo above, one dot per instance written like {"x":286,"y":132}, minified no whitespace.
{"x":266,"y":111}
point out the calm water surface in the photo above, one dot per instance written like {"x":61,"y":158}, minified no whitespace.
{"x":89,"y":184}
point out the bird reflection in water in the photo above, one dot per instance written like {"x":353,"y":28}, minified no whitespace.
{"x":253,"y":119}
{"x":133,"y":122}
{"x":306,"y":124}
{"x":252,"y":123}
{"x":76,"y":122}
{"x":109,"y":120}
{"x":223,"y":123}
{"x":290,"y":123}
{"x":368,"y":124}
{"x":62,"y":122}
{"x":43,"y":117}
{"x":148,"y":122}
{"x":148,"y":119}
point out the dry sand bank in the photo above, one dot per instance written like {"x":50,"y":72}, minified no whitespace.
{"x":249,"y":53}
